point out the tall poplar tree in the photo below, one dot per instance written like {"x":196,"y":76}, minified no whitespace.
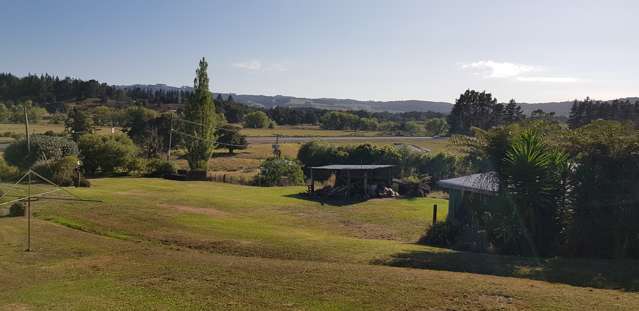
{"x":200,"y":112}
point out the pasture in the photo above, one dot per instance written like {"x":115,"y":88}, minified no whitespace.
{"x":159,"y":244}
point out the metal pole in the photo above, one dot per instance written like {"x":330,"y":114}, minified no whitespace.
{"x":29,"y":212}
{"x":26,"y":127}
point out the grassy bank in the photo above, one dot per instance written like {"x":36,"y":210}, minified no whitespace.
{"x":162,"y":244}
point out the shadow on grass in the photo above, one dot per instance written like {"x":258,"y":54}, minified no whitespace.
{"x":328,"y":201}
{"x":227,"y":155}
{"x":609,"y":274}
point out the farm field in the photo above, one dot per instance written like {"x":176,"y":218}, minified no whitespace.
{"x":158,"y":244}
{"x":39,"y":128}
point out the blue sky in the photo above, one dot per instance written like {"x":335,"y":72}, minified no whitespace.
{"x":531,"y":51}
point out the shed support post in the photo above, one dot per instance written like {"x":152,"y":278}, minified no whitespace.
{"x":348,"y":183}
{"x":366,"y":183}
{"x":312,"y":182}
{"x":434,"y":214}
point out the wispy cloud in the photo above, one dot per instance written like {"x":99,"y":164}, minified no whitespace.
{"x":504,"y":70}
{"x":492,"y":69}
{"x":256,"y":65}
{"x":253,"y":64}
{"x":549,"y":79}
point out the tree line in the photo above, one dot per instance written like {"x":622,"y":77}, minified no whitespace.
{"x":51,"y":92}
{"x":481,"y":110}
{"x":586,"y":111}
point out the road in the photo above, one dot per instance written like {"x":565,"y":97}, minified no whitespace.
{"x":270,"y":139}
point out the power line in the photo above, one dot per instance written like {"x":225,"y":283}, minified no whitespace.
{"x":197,"y":123}
{"x":213,"y":142}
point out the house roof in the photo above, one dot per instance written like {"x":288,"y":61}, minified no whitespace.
{"x":485,"y":183}
{"x":338,"y":167}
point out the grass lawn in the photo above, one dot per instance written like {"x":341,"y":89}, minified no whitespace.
{"x":159,"y":244}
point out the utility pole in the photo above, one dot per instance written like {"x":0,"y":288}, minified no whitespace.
{"x":168,"y":153}
{"x":277,"y":152}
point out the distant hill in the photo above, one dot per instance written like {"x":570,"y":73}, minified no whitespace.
{"x":559,"y":108}
{"x":343,"y":104}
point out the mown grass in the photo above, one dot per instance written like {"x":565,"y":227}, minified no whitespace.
{"x":158,"y":244}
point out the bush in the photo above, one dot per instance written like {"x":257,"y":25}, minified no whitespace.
{"x":43,"y":147}
{"x":8,"y":172}
{"x":62,"y":172}
{"x":107,"y":154}
{"x":442,"y":234}
{"x":279,"y":172}
{"x":159,"y":168}
{"x":16,"y":210}
{"x":317,"y":153}
{"x":256,"y":119}
{"x":436,"y":127}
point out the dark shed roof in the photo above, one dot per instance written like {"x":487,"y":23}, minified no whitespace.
{"x":338,"y":167}
{"x":481,"y":183}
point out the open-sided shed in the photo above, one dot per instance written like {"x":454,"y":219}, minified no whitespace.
{"x":353,"y":175}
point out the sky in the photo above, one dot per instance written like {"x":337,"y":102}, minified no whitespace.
{"x":531,"y":51}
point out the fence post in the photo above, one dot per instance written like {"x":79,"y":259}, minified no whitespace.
{"x":434,"y":213}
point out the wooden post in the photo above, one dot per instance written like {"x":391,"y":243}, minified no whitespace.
{"x":348,"y":183}
{"x":434,"y":213}
{"x":312,"y":182}
{"x":365,"y":183}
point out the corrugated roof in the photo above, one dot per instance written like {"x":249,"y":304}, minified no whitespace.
{"x":481,"y":183}
{"x":338,"y":167}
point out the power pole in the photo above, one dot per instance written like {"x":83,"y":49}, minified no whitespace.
{"x":277,"y":152}
{"x":168,"y":153}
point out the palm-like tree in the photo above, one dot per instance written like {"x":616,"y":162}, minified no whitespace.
{"x":533,"y":180}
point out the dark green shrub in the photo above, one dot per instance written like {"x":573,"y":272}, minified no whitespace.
{"x":106,"y":154}
{"x":317,"y":153}
{"x":256,"y":119}
{"x":16,"y":210}
{"x":279,"y":172}
{"x":442,"y":234}
{"x":8,"y":172}
{"x":62,"y":172}
{"x":159,"y":168}
{"x":43,"y":147}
